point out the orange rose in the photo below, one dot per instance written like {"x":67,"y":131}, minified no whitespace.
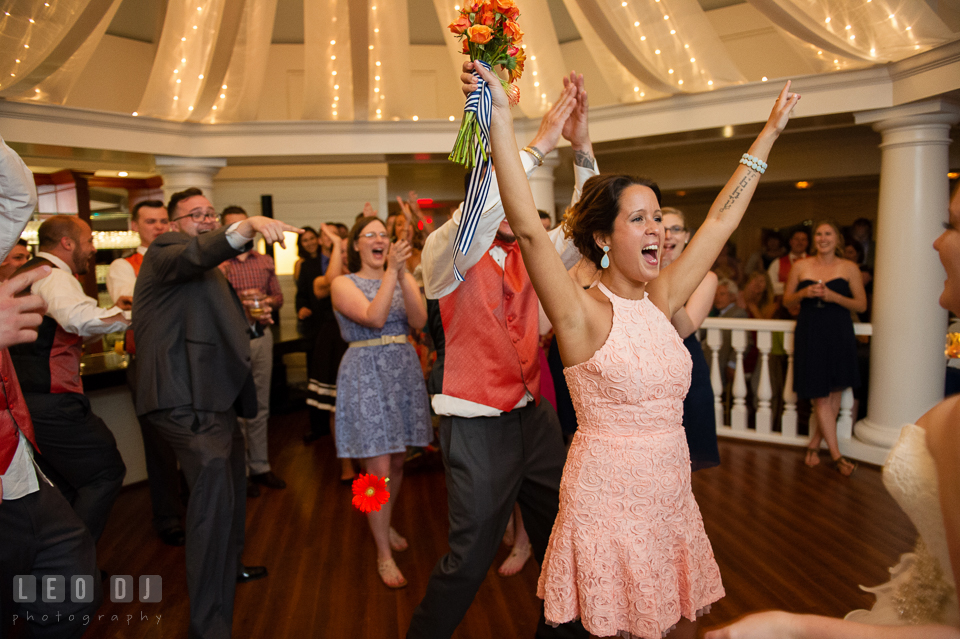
{"x":488,"y":17}
{"x":466,"y":47}
{"x":480,"y":34}
{"x":512,"y":30}
{"x":507,"y":8}
{"x":461,"y":25}
{"x":472,"y":6}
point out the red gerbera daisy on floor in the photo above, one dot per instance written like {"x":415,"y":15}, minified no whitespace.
{"x":370,"y":493}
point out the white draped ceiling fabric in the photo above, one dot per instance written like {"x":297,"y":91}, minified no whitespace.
{"x":328,"y":67}
{"x":187,"y":44}
{"x":239,"y":97}
{"x":667,"y":45}
{"x":47,"y":43}
{"x":212,"y":55}
{"x":865,"y":32}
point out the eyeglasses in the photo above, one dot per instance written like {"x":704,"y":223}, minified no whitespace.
{"x":198,"y":216}
{"x":370,"y":235}
{"x":675,"y":229}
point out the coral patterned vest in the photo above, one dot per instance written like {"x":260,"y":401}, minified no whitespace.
{"x":135,"y":261}
{"x":487,"y":335}
{"x":14,"y":415}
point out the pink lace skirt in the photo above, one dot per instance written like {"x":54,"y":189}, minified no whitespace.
{"x":628,"y":554}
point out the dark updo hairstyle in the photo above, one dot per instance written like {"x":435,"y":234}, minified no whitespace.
{"x":597,"y":210}
{"x":302,"y":252}
{"x":353,"y":255}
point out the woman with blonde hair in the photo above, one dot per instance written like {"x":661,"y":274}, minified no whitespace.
{"x":827,"y":287}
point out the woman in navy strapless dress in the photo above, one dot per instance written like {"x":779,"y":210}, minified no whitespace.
{"x":827,"y":288}
{"x":699,"y":418}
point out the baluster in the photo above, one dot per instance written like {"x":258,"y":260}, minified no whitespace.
{"x":738,"y":414}
{"x":714,"y":341}
{"x":789,"y":420}
{"x":845,"y":419}
{"x":764,"y":418}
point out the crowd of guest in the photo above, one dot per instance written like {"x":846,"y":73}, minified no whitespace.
{"x":381,"y":381}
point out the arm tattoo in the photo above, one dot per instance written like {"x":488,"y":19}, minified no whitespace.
{"x":738,"y":189}
{"x":582,"y":158}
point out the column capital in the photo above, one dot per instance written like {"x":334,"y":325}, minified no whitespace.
{"x":172,"y":164}
{"x":938,"y":111}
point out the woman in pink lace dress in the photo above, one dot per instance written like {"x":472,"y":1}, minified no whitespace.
{"x":628,"y":554}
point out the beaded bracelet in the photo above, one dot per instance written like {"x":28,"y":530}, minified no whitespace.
{"x":754,"y":163}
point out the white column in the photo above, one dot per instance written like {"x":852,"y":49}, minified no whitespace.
{"x":181,"y":173}
{"x":541,"y":185}
{"x":906,"y":352}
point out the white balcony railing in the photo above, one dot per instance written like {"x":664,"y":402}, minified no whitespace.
{"x":762,"y":425}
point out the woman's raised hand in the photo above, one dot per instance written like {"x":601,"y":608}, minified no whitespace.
{"x":783,"y":109}
{"x":330,"y":232}
{"x":500,"y":101}
{"x":397,"y":257}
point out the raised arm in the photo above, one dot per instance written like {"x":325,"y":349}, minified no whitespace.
{"x":351,"y":302}
{"x":437,"y":256}
{"x":557,"y":292}
{"x":321,"y":285}
{"x":689,"y":318}
{"x":677,"y":282}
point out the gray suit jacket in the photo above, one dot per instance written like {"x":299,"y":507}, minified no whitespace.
{"x":192,"y":337}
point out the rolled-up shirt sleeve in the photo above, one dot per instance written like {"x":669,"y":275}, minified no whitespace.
{"x":18,"y":197}
{"x":437,"y":256}
{"x":73,"y":309}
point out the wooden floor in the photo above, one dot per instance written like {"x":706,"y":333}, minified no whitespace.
{"x":785,"y":536}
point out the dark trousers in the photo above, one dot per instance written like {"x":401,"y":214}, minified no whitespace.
{"x":209,"y":447}
{"x":492,"y":463}
{"x":163,"y":477}
{"x":79,"y":454}
{"x":43,"y":536}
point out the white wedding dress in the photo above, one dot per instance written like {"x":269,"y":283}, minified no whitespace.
{"x":921,"y":589}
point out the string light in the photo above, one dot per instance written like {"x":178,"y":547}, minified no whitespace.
{"x":763,"y":79}
{"x":451,"y":118}
{"x":657,"y":51}
{"x":189,"y":108}
{"x":642,"y":38}
{"x":223,"y":95}
{"x":122,"y":173}
{"x":637,"y":23}
{"x":214,"y":107}
{"x":135,"y":114}
{"x":416,"y":118}
{"x":200,"y":76}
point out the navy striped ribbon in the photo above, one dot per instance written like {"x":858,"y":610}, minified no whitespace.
{"x":480,"y":102}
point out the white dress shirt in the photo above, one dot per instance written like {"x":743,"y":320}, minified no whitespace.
{"x":437,"y":262}
{"x":75,"y":311}
{"x":18,"y":199}
{"x":121,"y":279}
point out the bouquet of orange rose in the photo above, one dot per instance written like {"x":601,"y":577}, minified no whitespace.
{"x":490,"y":35}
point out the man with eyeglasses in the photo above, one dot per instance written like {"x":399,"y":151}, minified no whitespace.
{"x":193,"y":380}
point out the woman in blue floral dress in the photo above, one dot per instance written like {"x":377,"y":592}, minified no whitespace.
{"x":382,"y":403}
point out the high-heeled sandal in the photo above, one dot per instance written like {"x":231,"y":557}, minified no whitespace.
{"x":390,"y":575}
{"x":397,"y":542}
{"x":840,"y":462}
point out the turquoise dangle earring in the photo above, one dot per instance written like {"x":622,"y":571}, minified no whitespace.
{"x":605,"y":262}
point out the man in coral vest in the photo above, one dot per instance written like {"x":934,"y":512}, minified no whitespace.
{"x":501,"y":444}
{"x":149,"y":218}
{"x":78,"y":451}
{"x":41,"y":534}
{"x":780,"y":269}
